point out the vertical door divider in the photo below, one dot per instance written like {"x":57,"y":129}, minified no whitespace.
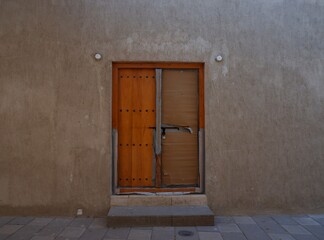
{"x":157,"y":140}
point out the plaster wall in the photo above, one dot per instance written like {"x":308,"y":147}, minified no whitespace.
{"x":264,"y":103}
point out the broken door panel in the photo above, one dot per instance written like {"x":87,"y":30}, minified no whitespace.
{"x":180,"y":100}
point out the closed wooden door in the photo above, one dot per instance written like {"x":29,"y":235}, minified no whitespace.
{"x":136,"y":122}
{"x":157,"y":126}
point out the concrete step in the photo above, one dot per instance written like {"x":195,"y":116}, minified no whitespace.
{"x":158,"y":200}
{"x":145,"y":216}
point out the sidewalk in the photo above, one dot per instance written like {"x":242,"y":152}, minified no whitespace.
{"x":277,"y":227}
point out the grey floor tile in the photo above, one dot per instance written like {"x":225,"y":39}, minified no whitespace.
{"x":280,"y":236}
{"x":4,"y":220}
{"x":316,"y":230}
{"x":304,"y":237}
{"x":191,"y":229}
{"x":210,"y":236}
{"x":223,"y":219}
{"x":42,"y":238}
{"x":253,"y":232}
{"x":50,"y":231}
{"x":143,"y":228}
{"x":316,"y":216}
{"x":139,"y":234}
{"x":269,"y":225}
{"x":93,"y":234}
{"x":117,"y":233}
{"x":9,"y":229}
{"x":207,"y":229}
{"x":60,"y":222}
{"x":228,"y":227}
{"x":320,"y":221}
{"x":305,"y":221}
{"x":26,"y":232}
{"x":163,"y":233}
{"x":244,"y":220}
{"x":233,"y":236}
{"x":295,"y":229}
{"x":99,"y":223}
{"x":21,"y":220}
{"x":3,"y":237}
{"x":41,"y":221}
{"x":72,"y":232}
{"x":284,"y":220}
{"x":81,"y":222}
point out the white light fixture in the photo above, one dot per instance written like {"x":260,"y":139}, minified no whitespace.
{"x":219,"y":58}
{"x":97,"y":56}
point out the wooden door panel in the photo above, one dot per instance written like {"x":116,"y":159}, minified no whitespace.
{"x":136,"y":117}
{"x":180,"y":101}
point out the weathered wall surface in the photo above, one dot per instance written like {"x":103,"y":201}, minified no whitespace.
{"x":264,"y":102}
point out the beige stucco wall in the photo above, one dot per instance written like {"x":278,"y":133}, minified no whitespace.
{"x":264,"y":102}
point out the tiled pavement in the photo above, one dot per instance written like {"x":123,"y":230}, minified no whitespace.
{"x":277,"y":227}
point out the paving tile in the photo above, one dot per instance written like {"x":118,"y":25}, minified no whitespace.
{"x":81,"y":222}
{"x":316,"y":230}
{"x":41,"y":221}
{"x":143,"y":228}
{"x":233,"y":236}
{"x":9,"y":229}
{"x":117,"y":233}
{"x":3,"y":237}
{"x":163,"y":233}
{"x":253,"y":232}
{"x":60,"y":222}
{"x":114,"y":239}
{"x":42,"y":238}
{"x":269,"y":225}
{"x":315,"y":216}
{"x":21,"y":220}
{"x":284,"y":220}
{"x":210,"y":236}
{"x":192,"y":229}
{"x":280,"y":236}
{"x":207,"y":229}
{"x":304,"y":237}
{"x":4,"y":220}
{"x":222,"y":219}
{"x":99,"y":223}
{"x":320,"y":221}
{"x":228,"y":227}
{"x":139,"y":234}
{"x":305,"y":221}
{"x":50,"y":231}
{"x":26,"y":232}
{"x":295,"y":229}
{"x":72,"y":232}
{"x":244,"y":220}
{"x":93,"y":234}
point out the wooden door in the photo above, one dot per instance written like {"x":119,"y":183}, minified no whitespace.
{"x":180,"y":101}
{"x":149,"y":153}
{"x":136,"y":122}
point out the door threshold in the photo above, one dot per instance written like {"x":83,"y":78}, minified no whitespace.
{"x":158,"y":191}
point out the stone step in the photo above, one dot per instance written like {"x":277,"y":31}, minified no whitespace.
{"x":145,"y":216}
{"x":158,"y":200}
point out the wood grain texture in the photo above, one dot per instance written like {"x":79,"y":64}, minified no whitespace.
{"x":136,"y":117}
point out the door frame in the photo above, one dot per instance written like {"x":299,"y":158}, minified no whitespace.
{"x":201,"y":137}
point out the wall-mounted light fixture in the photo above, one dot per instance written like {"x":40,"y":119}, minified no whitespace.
{"x":219,"y":58}
{"x":98,"y":56}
